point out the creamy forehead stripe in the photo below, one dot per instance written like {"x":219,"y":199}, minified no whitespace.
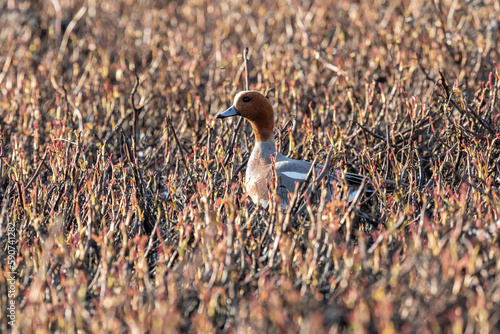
{"x":295,"y":175}
{"x":237,"y":96}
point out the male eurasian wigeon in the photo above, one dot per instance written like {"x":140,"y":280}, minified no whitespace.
{"x":255,"y":107}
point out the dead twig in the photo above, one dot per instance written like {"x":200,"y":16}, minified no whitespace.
{"x":229,"y":151}
{"x":298,"y":196}
{"x":468,"y":110}
{"x":385,"y":140}
{"x":181,"y":151}
{"x":136,"y":110}
{"x":39,"y":168}
{"x":351,"y":207}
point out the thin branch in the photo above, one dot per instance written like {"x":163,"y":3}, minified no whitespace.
{"x":193,"y":185}
{"x":229,"y":151}
{"x":354,"y":202}
{"x":245,"y":59}
{"x":69,"y":29}
{"x":376,"y":135}
{"x":137,"y":110}
{"x":467,"y":110}
{"x":37,"y":170}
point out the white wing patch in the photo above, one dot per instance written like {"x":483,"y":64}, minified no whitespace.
{"x":264,"y":203}
{"x":352,"y":195}
{"x":295,"y":175}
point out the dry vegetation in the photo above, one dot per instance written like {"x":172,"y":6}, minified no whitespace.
{"x":134,"y":219}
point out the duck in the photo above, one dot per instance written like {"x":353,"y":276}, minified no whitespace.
{"x":256,"y":108}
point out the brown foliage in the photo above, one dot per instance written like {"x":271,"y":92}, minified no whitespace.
{"x":129,"y":212}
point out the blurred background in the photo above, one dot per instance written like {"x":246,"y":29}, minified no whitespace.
{"x":157,"y":235}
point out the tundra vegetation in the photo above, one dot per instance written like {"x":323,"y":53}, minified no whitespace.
{"x":125,"y":195}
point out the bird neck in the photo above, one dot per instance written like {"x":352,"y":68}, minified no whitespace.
{"x":263,"y":130}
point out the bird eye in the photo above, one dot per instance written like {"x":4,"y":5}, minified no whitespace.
{"x":246,"y":99}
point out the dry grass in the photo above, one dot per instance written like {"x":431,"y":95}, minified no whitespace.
{"x":150,"y":231}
